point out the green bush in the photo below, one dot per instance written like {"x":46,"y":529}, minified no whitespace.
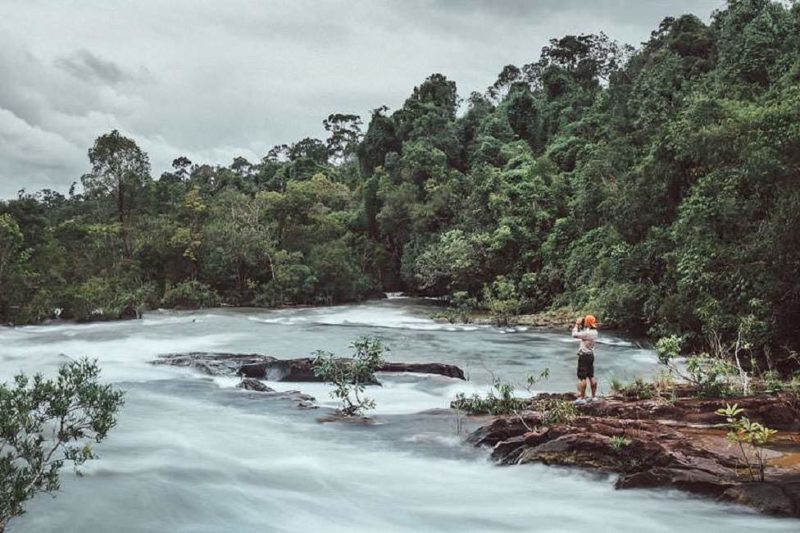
{"x":103,"y":299}
{"x":500,"y":400}
{"x":82,"y":409}
{"x":502,"y":301}
{"x":557,"y":411}
{"x":190,"y":295}
{"x":350,"y":376}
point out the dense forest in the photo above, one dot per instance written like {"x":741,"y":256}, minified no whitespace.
{"x":658,"y":187}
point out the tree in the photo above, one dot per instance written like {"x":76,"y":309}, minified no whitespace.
{"x":350,"y":376}
{"x":47,"y":423}
{"x":119,"y":168}
{"x":11,"y":242}
{"x":345,"y":135}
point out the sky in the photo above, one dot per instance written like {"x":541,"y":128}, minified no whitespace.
{"x":213,"y":80}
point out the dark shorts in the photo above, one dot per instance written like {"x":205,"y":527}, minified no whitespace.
{"x":585,"y":365}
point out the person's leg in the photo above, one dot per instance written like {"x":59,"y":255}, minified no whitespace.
{"x":581,"y":389}
{"x":593,"y":381}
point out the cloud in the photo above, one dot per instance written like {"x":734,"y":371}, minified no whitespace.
{"x":213,"y":80}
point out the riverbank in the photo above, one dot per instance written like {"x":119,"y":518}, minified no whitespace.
{"x":657,"y":443}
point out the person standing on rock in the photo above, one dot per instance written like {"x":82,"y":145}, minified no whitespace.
{"x":585,"y":329}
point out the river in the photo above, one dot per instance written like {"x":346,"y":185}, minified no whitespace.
{"x":195,"y":454}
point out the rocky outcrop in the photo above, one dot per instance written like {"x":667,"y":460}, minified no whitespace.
{"x":304,"y":401}
{"x":652,"y":443}
{"x":254,"y":385}
{"x":269,"y":368}
{"x":214,"y":364}
{"x":450,"y":371}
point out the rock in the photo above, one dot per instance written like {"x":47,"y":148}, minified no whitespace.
{"x":450,"y":371}
{"x":129,"y":312}
{"x":652,"y":443}
{"x":214,"y":364}
{"x":353,"y":420}
{"x":254,"y":385}
{"x":269,"y":368}
{"x":779,"y":498}
{"x":778,"y":412}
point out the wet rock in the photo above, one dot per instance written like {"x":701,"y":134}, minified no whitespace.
{"x":254,"y":385}
{"x":129,"y":312}
{"x":450,"y":371}
{"x":353,"y":420}
{"x":214,"y":364}
{"x":778,"y":498}
{"x":269,"y":368}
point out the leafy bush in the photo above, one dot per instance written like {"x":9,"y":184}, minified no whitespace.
{"x":502,"y":301}
{"x":82,"y":410}
{"x":460,"y":311}
{"x":638,"y":388}
{"x":350,"y":376}
{"x":500,"y":400}
{"x":558,"y":412}
{"x":190,"y":295}
{"x":105,"y":299}
{"x":711,"y":375}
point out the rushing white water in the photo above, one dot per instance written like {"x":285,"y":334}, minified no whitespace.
{"x":194,"y":454}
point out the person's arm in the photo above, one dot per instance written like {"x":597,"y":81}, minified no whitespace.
{"x":576,"y":331}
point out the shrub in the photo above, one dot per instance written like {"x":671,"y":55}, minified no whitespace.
{"x":82,"y":410}
{"x":558,"y":412}
{"x":350,"y":376}
{"x":500,"y":400}
{"x":190,"y":295}
{"x":104,"y":299}
{"x":502,"y":301}
{"x":710,"y":374}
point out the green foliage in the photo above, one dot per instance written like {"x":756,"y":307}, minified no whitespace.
{"x":500,"y":400}
{"x":618,"y":443}
{"x":502,"y":301}
{"x":350,"y":376}
{"x":190,"y":295}
{"x":750,"y":437}
{"x":47,"y":423}
{"x":558,"y":412}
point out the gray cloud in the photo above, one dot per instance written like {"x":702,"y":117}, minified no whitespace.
{"x":213,"y":80}
{"x":86,"y":66}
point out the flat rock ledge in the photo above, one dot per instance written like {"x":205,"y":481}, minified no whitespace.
{"x":654,"y":443}
{"x":270,"y":368}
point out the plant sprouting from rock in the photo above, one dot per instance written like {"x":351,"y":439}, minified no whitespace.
{"x":350,"y":376}
{"x":750,"y":437}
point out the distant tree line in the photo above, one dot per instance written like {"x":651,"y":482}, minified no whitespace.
{"x":659,"y":187}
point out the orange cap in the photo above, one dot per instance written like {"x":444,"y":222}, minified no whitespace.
{"x":590,"y":321}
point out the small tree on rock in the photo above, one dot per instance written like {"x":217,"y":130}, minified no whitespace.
{"x":350,"y":376}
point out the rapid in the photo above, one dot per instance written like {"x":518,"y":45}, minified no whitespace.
{"x":192,"y":453}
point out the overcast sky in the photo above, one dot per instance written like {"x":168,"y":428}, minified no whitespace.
{"x":216,"y":79}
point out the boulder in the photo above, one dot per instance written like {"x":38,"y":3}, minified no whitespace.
{"x":270,"y":368}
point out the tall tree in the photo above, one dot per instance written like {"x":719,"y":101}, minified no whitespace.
{"x":119,"y":169}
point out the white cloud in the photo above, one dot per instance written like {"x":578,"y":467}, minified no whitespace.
{"x":212,"y":80}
